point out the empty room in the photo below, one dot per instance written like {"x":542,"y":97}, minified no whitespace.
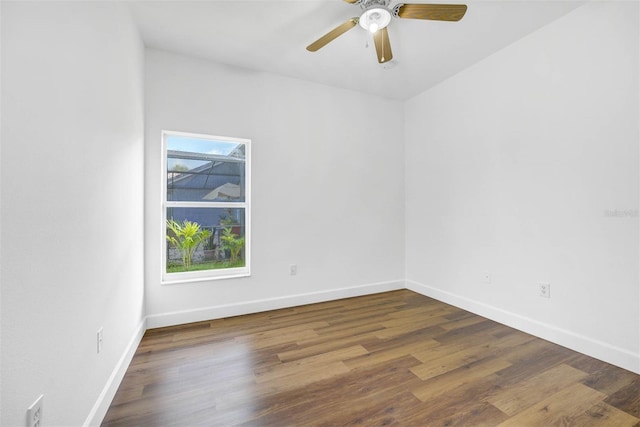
{"x":320,"y":213}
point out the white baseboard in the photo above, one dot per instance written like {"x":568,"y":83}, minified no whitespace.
{"x":99,"y":410}
{"x":256,"y":306}
{"x":580,"y":343}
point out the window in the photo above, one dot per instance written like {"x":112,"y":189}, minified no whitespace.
{"x":206,"y":207}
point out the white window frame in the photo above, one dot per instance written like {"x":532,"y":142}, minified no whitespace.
{"x":214,"y":274}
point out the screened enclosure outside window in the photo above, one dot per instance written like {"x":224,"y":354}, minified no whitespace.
{"x":206,"y":207}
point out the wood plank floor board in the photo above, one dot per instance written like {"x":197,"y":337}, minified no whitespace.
{"x":424,"y":312}
{"x":350,"y":391}
{"x":461,"y":322}
{"x":457,"y":405}
{"x":453,"y":358}
{"x":461,"y":376}
{"x":515,"y":399}
{"x":400,"y":330}
{"x":398,"y":351}
{"x":561,"y":408}
{"x":302,"y":366}
{"x":331,"y":334}
{"x":377,"y":414}
{"x":318,"y":346}
{"x":395,"y":359}
{"x":219,"y":331}
{"x":360,"y":393}
{"x":431,"y":318}
{"x":461,"y":314}
{"x":605,"y":415}
{"x":530,"y":359}
{"x":627,"y":398}
{"x":476,"y":414}
{"x":610,"y":379}
{"x":588,"y":364}
{"x":483,"y":328}
{"x":209,"y":338}
{"x":408,"y":336}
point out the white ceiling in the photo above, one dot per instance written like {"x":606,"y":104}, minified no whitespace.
{"x":272,"y":36}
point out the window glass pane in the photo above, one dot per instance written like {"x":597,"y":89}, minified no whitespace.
{"x":205,"y":239}
{"x":205,"y":170}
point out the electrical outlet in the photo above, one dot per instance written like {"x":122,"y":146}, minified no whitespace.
{"x":99,"y":337}
{"x":293,"y":269}
{"x":545,"y":290}
{"x":34,"y":413}
{"x":487,"y":277}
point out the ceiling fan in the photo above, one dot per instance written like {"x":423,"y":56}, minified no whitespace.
{"x":377,"y":15}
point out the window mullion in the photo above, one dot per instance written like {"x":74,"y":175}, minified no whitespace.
{"x":222,"y":205}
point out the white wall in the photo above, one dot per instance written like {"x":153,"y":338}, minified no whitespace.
{"x":511,"y":167}
{"x":72,"y":210}
{"x":328,"y":186}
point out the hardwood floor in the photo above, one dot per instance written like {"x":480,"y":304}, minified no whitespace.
{"x":396,"y":358}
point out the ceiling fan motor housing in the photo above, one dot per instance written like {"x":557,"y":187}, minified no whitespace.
{"x":375,"y":16}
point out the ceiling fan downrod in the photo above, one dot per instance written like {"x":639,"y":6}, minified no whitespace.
{"x":368,"y":4}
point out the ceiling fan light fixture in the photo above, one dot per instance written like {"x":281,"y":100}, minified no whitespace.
{"x":375,"y":19}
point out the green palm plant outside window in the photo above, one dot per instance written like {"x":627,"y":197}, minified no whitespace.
{"x":232,"y":243}
{"x":187,"y":236}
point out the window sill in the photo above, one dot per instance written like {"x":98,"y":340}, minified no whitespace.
{"x":180,"y":280}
